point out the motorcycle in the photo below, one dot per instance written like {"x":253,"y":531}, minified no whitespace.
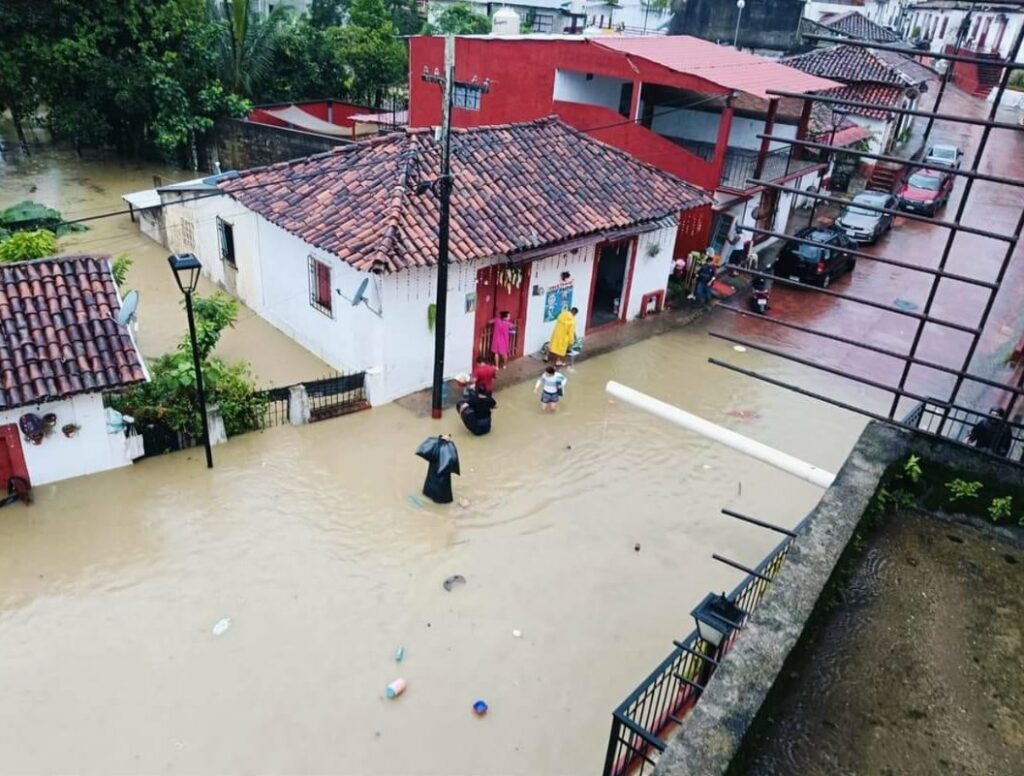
{"x":759,"y":297}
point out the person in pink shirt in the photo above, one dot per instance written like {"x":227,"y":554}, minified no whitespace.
{"x":501,"y":332}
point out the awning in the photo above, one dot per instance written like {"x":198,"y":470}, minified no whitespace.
{"x":398,"y":118}
{"x":143,"y":200}
{"x":845,"y":137}
{"x":299,"y":118}
{"x":608,"y":235}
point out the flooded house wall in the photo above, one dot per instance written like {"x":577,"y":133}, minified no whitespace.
{"x":650,"y":273}
{"x":58,"y":457}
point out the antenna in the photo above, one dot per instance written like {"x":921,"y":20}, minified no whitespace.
{"x":129,"y":307}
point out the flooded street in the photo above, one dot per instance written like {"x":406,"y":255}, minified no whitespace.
{"x":314,"y":543}
{"x":81,"y":188}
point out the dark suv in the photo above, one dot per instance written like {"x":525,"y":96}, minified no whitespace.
{"x":819,"y":263}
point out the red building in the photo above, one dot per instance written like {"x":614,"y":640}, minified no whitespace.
{"x":682,"y":104}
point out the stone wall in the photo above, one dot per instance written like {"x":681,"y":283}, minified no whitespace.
{"x":711,"y":735}
{"x":243,"y":144}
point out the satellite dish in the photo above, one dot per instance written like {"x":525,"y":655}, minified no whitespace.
{"x":129,"y":307}
{"x":360,"y":295}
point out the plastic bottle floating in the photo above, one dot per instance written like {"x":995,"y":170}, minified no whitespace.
{"x":400,"y":654}
{"x":480,"y":708}
{"x":395,"y":689}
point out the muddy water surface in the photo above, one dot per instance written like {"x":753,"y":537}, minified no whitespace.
{"x":315,"y":543}
{"x":83,"y":188}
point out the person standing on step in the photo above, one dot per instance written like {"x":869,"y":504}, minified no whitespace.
{"x":501,"y":338}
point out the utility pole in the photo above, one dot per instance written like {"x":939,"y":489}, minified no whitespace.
{"x":445,"y":197}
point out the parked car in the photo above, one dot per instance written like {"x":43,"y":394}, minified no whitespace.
{"x":925,"y":191}
{"x":820,"y":263}
{"x":860,"y":223}
{"x":943,"y":156}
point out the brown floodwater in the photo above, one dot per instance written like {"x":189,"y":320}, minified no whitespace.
{"x":81,"y":188}
{"x":315,"y":543}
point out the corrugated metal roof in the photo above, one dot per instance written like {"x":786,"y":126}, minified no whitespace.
{"x":724,"y":66}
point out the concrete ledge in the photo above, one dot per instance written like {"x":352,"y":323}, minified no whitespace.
{"x":712,"y":733}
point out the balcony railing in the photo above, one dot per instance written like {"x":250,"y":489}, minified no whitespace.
{"x":741,"y":163}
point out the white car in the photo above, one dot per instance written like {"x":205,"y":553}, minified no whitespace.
{"x":947,"y":156}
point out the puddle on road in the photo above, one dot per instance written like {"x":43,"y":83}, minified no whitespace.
{"x":308,"y":542}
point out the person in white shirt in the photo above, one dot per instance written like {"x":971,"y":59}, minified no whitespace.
{"x":551,"y":387}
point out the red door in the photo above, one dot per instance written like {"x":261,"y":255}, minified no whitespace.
{"x":498,"y":290}
{"x":12,"y":459}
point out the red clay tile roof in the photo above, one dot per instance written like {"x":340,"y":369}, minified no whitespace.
{"x":854,"y":24}
{"x":722,"y":65}
{"x":853,"y":64}
{"x":58,"y":336}
{"x":883,"y":96}
{"x":517,"y":187}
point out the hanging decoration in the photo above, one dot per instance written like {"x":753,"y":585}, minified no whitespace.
{"x":510,"y":278}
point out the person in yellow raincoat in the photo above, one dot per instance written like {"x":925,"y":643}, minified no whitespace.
{"x":563,"y":335}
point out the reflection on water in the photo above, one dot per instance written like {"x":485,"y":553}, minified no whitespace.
{"x":307,"y":539}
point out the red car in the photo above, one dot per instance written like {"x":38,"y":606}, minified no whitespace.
{"x":925,"y":191}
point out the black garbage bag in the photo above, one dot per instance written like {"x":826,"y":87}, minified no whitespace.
{"x":443,"y":459}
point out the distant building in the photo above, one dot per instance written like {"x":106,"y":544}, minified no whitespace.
{"x":339,"y":250}
{"x":884,"y":79}
{"x":62,"y":349}
{"x":885,"y":13}
{"x":852,"y":25}
{"x":770,"y":25}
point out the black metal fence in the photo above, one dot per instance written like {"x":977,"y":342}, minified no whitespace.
{"x":643,"y":721}
{"x":956,"y":423}
{"x":329,"y":397}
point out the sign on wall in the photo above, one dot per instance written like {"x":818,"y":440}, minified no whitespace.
{"x":558,"y":298}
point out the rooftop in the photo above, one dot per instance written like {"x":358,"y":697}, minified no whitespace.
{"x":854,"y":64}
{"x":854,"y":24}
{"x":884,"y":97}
{"x":60,"y":337}
{"x":722,"y":65}
{"x":517,"y":187}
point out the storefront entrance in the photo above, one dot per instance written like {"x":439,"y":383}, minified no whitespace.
{"x":609,"y":284}
{"x":499,"y":288}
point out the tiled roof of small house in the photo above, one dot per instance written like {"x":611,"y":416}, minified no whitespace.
{"x":58,"y":333}
{"x":517,"y":187}
{"x":854,"y":24}
{"x":854,"y":64}
{"x":885,"y":97}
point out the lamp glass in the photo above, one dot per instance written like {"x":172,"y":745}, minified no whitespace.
{"x":186,"y":268}
{"x":741,"y":4}
{"x":709,"y":633}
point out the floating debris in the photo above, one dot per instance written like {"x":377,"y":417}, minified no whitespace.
{"x":479,"y":708}
{"x":221,"y":626}
{"x":452,"y":581}
{"x":739,"y":348}
{"x":904,"y":304}
{"x":395,"y":689}
{"x":517,"y":634}
{"x":400,"y":654}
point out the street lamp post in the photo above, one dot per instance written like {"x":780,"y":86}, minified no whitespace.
{"x":186,"y":269}
{"x":716,"y":617}
{"x":740,"y":5}
{"x":838,"y":114}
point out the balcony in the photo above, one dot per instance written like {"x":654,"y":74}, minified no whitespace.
{"x":741,"y":163}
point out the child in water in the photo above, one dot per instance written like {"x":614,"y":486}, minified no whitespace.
{"x":551,"y":386}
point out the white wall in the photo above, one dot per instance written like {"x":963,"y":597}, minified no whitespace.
{"x":703,"y":126}
{"x":58,"y":457}
{"x":571,"y":86}
{"x":632,"y":13}
{"x":650,"y":273}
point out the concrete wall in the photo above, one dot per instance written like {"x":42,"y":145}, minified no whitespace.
{"x":571,"y":86}
{"x":773,"y":24}
{"x":703,"y":126}
{"x":711,"y":734}
{"x":244,"y":144}
{"x":58,"y":457}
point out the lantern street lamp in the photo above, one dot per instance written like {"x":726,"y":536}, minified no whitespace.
{"x":186,"y":268}
{"x":839,"y":113}
{"x":717,"y":617}
{"x":740,"y":5}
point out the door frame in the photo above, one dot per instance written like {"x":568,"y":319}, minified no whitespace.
{"x":10,"y":435}
{"x":627,"y":285}
{"x":519,"y":341}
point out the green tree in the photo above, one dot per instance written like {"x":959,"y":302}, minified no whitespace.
{"x":248,"y":43}
{"x":327,"y":13}
{"x":375,"y":55}
{"x":308,"y":64}
{"x":170,"y":395}
{"x":22,"y":246}
{"x":21,"y":56}
{"x":405,"y":15}
{"x":458,"y":19}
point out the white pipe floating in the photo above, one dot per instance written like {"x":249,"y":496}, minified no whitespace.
{"x":714,"y":432}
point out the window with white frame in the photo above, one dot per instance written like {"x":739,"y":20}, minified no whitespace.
{"x":543,"y":22}
{"x":320,"y":286}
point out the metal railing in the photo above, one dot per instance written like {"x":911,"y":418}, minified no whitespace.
{"x":483,"y":346}
{"x":956,"y":423}
{"x":740,"y":164}
{"x":642,"y":722}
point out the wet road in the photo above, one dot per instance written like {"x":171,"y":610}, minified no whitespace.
{"x":82,"y":188}
{"x":990,"y":206}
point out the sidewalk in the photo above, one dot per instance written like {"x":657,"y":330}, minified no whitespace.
{"x":597,"y":342}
